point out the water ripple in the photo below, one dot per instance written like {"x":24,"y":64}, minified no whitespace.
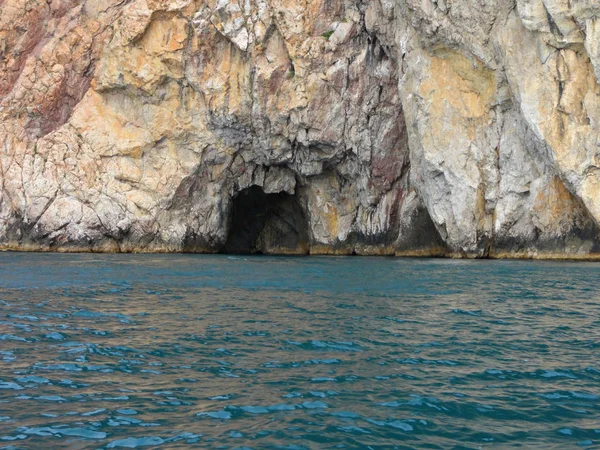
{"x":177,"y":351}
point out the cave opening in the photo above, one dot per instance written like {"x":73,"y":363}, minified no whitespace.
{"x":262,"y":223}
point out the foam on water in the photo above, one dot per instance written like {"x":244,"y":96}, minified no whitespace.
{"x":173,"y":351}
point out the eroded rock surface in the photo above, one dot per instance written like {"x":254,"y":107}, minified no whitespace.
{"x":409,"y":127}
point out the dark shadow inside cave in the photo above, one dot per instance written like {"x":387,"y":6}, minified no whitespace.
{"x":267,"y":223}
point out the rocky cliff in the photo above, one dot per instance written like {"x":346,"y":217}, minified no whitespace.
{"x":408,"y":127}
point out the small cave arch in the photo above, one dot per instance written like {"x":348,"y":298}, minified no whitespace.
{"x":262,"y":223}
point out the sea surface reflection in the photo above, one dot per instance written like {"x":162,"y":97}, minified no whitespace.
{"x":180,"y":351}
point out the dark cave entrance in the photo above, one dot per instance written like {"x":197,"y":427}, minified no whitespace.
{"x":267,"y":224}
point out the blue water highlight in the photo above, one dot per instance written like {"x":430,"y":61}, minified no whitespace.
{"x":199,"y":351}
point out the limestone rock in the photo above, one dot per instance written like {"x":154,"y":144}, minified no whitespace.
{"x":435,"y":127}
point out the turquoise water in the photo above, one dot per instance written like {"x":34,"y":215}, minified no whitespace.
{"x":184,"y":351}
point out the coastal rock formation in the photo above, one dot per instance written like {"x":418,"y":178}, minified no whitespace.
{"x":408,"y":127}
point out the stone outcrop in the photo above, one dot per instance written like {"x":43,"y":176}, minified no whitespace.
{"x":408,"y":127}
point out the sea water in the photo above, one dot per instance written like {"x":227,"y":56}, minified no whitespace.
{"x":197,"y":351}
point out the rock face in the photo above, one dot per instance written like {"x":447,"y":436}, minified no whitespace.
{"x":408,"y":127}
